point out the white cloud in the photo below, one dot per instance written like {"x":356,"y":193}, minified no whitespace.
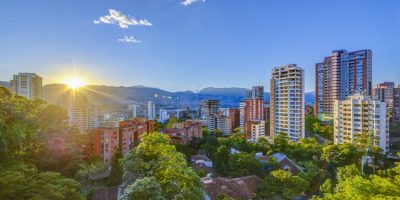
{"x":188,"y":2}
{"x":123,"y":21}
{"x":129,"y":39}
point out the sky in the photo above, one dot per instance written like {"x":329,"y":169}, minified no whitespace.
{"x":181,"y":45}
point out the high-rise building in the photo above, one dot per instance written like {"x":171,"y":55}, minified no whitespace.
{"x":93,"y":116}
{"x":256,"y":92}
{"x":361,"y":115}
{"x":251,"y":110}
{"x":209,"y":107}
{"x":385,"y":92}
{"x":76,"y":105}
{"x":224,"y":124}
{"x":28,"y":85}
{"x":339,"y":76}
{"x":396,"y":104}
{"x":287,"y":101}
{"x":234,"y":115}
{"x":151,"y":110}
{"x":133,"y":108}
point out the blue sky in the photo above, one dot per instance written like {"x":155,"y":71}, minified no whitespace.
{"x":220,"y":43}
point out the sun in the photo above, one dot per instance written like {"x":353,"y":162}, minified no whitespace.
{"x":74,"y":82}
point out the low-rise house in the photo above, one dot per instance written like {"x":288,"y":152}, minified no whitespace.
{"x":202,"y":163}
{"x":236,"y":188}
{"x":283,"y":162}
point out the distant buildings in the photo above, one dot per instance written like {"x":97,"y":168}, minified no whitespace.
{"x":287,"y":101}
{"x":77,"y":107}
{"x":103,"y":142}
{"x":28,"y":85}
{"x":209,"y":113}
{"x":341,"y":75}
{"x":151,"y":110}
{"x":183,"y":133}
{"x":361,"y":115}
{"x":209,"y":107}
{"x":252,"y":113}
{"x":133,"y":108}
{"x":256,"y":92}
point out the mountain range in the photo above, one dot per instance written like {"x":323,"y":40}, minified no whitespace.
{"x":101,"y":94}
{"x":229,"y":97}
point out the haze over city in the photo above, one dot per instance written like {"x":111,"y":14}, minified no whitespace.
{"x":195,"y":45}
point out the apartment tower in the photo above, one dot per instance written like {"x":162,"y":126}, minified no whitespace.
{"x":341,"y":75}
{"x":28,"y":85}
{"x":287,"y":101}
{"x":361,"y":115}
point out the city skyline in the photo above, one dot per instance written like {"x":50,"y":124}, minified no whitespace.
{"x":175,"y":46}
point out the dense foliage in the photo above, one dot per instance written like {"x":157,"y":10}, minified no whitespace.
{"x":35,"y":139}
{"x":156,"y":162}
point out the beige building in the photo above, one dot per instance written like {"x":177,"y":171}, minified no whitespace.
{"x":360,"y":114}
{"x":28,"y":85}
{"x":287,"y":101}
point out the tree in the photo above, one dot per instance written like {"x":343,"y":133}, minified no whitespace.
{"x":156,"y":157}
{"x":351,"y":185}
{"x":88,"y":175}
{"x":22,"y":182}
{"x":115,"y":177}
{"x":283,"y":184}
{"x":341,"y":154}
{"x":171,"y":122}
{"x":144,"y":188}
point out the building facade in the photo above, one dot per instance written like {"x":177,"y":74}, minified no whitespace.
{"x":396,"y":104}
{"x":77,"y":107}
{"x":234,"y":115}
{"x":28,"y":85}
{"x":361,"y":115}
{"x":255,"y":130}
{"x":287,"y":101}
{"x":385,"y":92}
{"x":251,"y":110}
{"x":104,"y":142}
{"x":341,"y":75}
{"x":183,"y":133}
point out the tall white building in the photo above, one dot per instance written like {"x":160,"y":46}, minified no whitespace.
{"x":133,"y":108}
{"x":151,"y":110}
{"x":28,"y":85}
{"x":360,"y":114}
{"x":163,"y":115}
{"x":287,"y":101}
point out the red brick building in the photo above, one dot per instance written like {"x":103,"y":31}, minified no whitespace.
{"x":103,"y":142}
{"x":184,"y":135}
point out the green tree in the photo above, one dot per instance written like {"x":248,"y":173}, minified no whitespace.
{"x":22,"y":182}
{"x":116,"y":173}
{"x":351,"y":185}
{"x":281,"y":183}
{"x":156,"y":157}
{"x":144,"y":188}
